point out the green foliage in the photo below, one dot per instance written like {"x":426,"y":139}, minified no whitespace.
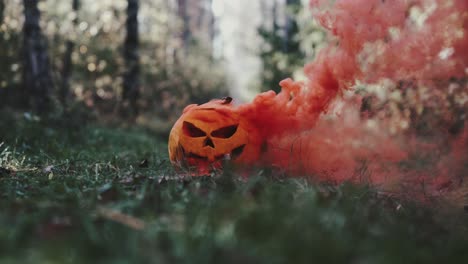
{"x":280,"y":53}
{"x":288,"y":47}
{"x":55,"y":181}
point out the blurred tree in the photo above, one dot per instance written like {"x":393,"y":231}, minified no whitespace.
{"x":67,"y":57}
{"x":291,"y":29}
{"x":205,"y":15}
{"x":10,"y":78}
{"x":37,"y":79}
{"x":2,"y":7}
{"x":211,"y":25}
{"x":281,"y":54}
{"x":200,"y":23}
{"x":185,"y":29}
{"x":131,"y":77}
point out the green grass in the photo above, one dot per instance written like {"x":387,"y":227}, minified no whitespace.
{"x":55,"y":182}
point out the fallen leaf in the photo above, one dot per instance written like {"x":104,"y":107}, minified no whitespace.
{"x":119,"y":217}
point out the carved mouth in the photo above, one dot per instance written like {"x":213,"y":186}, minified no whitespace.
{"x":236,"y":152}
{"x":193,"y":158}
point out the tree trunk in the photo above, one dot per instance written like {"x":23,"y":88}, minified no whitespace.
{"x":2,"y":8}
{"x":131,"y":77}
{"x":212,"y":28}
{"x":274,"y":14}
{"x":185,"y":32}
{"x":37,"y":79}
{"x":67,"y":59}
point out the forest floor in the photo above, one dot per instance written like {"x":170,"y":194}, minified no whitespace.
{"x":99,"y":194}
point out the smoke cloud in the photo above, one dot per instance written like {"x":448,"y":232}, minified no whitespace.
{"x":317,"y":127}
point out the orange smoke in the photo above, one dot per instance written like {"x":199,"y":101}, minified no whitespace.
{"x":399,"y":40}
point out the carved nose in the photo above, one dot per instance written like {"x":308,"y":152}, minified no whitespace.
{"x":208,"y":142}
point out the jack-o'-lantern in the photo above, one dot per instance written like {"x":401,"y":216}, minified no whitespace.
{"x":208,"y":134}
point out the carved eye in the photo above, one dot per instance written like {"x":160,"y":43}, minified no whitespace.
{"x":225,"y":132}
{"x":191,"y":130}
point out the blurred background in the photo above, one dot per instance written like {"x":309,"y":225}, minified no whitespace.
{"x":144,"y":60}
{"x":89,"y":90}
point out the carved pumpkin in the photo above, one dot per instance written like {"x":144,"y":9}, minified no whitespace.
{"x":207,"y":134}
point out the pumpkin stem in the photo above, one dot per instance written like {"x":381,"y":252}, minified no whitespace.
{"x":226,"y":100}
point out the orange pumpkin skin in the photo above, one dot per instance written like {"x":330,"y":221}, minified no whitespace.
{"x":207,"y":134}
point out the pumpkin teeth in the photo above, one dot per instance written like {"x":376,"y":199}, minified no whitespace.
{"x":235,"y":153}
{"x":227,"y":157}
